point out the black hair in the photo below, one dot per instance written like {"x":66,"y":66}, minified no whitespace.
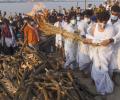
{"x":6,"y":21}
{"x":103,"y":15}
{"x":115,"y":8}
{"x":67,"y":18}
{"x":72,"y":15}
{"x":60,"y":15}
{"x":88,"y":13}
{"x":78,"y":7}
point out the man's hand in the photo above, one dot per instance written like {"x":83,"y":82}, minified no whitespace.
{"x":87,"y":41}
{"x":96,"y":44}
{"x":106,"y":42}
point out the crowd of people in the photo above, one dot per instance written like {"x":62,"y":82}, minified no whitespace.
{"x":9,"y":32}
{"x":16,"y":29}
{"x":98,"y":52}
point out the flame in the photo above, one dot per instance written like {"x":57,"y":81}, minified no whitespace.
{"x":36,"y":7}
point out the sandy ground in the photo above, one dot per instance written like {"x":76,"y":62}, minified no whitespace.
{"x":89,"y":83}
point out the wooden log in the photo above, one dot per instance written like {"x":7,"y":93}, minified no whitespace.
{"x":75,"y":87}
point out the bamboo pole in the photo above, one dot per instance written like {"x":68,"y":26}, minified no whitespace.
{"x":77,"y":3}
{"x":85,"y":4}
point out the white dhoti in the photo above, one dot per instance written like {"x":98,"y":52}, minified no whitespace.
{"x":58,"y":41}
{"x":118,"y":58}
{"x":70,"y":47}
{"x":70,"y":53}
{"x":83,"y":56}
{"x":100,"y":70}
{"x":115,"y":61}
{"x":101,"y":57}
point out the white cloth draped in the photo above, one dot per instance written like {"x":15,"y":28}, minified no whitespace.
{"x":70,"y":47}
{"x":101,"y":57}
{"x":115,"y":62}
{"x":83,"y":49}
{"x":59,"y":38}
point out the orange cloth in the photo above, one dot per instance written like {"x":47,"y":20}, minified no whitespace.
{"x":31,"y":35}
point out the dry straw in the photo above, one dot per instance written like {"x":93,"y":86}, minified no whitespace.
{"x":49,"y":29}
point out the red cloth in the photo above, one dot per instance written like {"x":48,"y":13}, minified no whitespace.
{"x":6,"y":31}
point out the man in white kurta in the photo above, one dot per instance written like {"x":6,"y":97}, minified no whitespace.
{"x":101,"y":57}
{"x":83,"y":58}
{"x":115,"y":21}
{"x":59,"y":38}
{"x":70,"y":46}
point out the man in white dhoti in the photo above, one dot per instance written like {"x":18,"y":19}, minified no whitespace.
{"x":83,"y":58}
{"x":70,"y":46}
{"x":78,"y":18}
{"x":59,"y":39}
{"x":101,"y":55}
{"x":115,"y":21}
{"x":65,"y":22}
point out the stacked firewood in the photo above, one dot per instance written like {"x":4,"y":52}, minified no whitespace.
{"x":35,"y":75}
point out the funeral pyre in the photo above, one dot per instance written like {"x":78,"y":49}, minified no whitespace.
{"x":36,"y":75}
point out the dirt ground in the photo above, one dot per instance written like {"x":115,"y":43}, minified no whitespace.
{"x":90,"y":85}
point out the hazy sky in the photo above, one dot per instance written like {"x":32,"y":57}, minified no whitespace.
{"x":50,"y":0}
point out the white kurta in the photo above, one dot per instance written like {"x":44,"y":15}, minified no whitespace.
{"x":83,"y":49}
{"x":101,"y":57}
{"x":59,"y":38}
{"x":70,"y":47}
{"x":115,"y":62}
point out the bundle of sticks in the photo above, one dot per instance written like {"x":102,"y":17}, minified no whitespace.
{"x":49,"y":29}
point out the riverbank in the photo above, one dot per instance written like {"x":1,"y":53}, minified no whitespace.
{"x":25,"y":7}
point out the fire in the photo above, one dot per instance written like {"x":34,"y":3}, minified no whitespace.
{"x":36,"y":7}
